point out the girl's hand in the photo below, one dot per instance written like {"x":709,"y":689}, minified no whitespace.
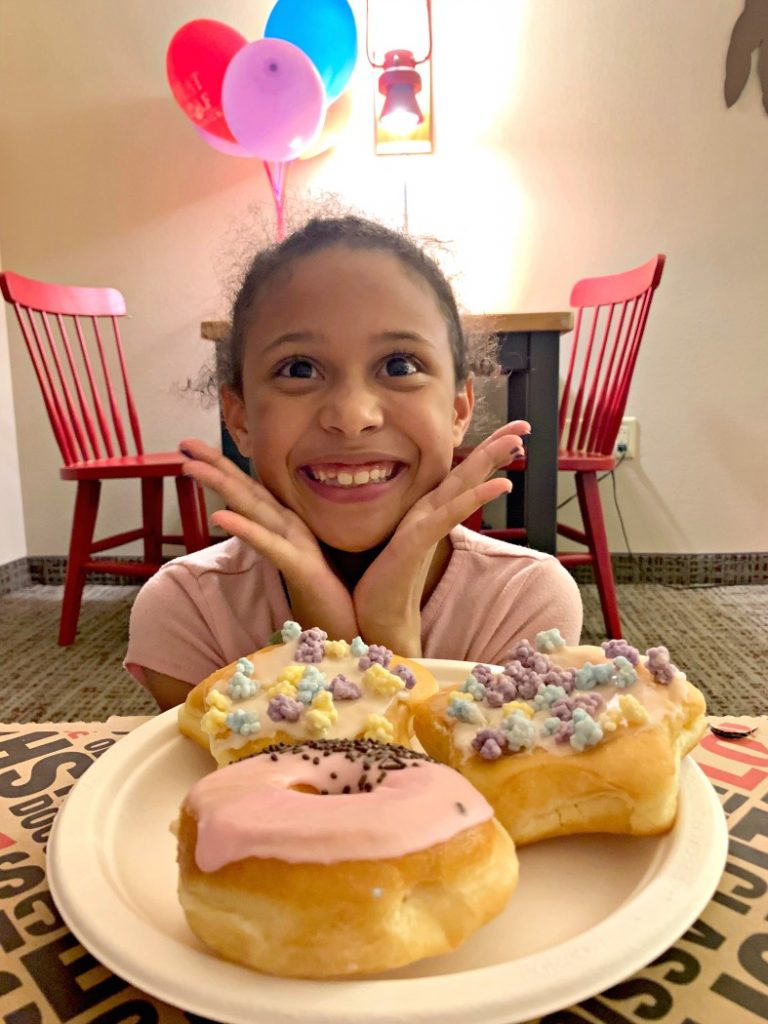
{"x":317,"y":595}
{"x":387,"y":599}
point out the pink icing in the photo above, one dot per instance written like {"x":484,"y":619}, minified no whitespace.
{"x":249,"y":809}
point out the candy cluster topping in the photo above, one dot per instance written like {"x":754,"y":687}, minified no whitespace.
{"x":303,"y":692}
{"x":532,"y":700}
{"x":375,"y":760}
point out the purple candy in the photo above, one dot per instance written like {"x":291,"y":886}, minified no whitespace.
{"x":621,"y":649}
{"x":376,"y":655}
{"x":565,"y":733}
{"x":406,"y":675}
{"x":503,"y":687}
{"x":659,"y":665}
{"x":556,"y":676}
{"x":344,"y":689}
{"x":284,"y":709}
{"x":529,"y":657}
{"x":490,"y":743}
{"x":528,"y":687}
{"x":483,"y":674}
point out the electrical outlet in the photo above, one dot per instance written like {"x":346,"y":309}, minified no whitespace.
{"x":626,"y":439}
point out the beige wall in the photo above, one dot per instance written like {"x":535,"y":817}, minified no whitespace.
{"x":13,"y":543}
{"x":573,"y":138}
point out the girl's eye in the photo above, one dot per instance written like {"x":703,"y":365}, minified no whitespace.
{"x":401,"y":365}
{"x":297,"y":368}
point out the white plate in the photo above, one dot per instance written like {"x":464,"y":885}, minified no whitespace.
{"x":588,"y":912}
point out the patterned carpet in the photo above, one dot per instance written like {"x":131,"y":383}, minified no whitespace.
{"x":717,"y":635}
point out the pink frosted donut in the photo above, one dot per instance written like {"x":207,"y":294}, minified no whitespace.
{"x":339,"y":857}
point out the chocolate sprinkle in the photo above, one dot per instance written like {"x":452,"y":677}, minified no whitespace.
{"x":461,"y":807}
{"x":379,"y":757}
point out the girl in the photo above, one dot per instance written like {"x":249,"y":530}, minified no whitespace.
{"x":346,"y":382}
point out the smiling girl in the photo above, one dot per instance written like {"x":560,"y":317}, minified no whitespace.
{"x":346,"y":381}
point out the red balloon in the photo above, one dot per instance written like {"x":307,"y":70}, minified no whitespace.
{"x":198,"y":56}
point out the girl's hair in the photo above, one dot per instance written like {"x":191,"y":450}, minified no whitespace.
{"x":354,"y":232}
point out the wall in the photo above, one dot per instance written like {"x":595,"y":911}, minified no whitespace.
{"x":572,"y":139}
{"x":13,"y":543}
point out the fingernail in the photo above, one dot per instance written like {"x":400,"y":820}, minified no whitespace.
{"x":186,"y":451}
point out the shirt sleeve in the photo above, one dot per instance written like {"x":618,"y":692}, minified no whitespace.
{"x":546,"y":598}
{"x":171,"y":631}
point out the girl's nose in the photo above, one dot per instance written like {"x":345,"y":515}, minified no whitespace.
{"x":351,"y":410}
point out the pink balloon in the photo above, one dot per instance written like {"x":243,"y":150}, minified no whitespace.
{"x":273,"y":99}
{"x":223,"y":145}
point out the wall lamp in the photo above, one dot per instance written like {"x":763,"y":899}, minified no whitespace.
{"x":403,"y":123}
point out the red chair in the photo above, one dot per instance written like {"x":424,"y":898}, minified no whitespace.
{"x":611,"y":315}
{"x":85,"y":388}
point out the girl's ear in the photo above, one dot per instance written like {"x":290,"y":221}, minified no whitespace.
{"x":463,"y":404}
{"x":233,"y":411}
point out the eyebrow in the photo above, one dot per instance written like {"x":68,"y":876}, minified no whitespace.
{"x":302,"y":337}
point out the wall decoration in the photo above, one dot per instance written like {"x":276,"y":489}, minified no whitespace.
{"x":750,"y":33}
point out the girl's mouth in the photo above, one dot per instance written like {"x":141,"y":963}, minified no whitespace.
{"x":350,"y":477}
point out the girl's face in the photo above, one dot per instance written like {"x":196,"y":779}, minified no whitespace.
{"x":350,"y":411}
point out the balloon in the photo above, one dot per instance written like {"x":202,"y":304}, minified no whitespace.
{"x":223,"y":145}
{"x":273,"y":99}
{"x":197,"y":57}
{"x":325,"y":30}
{"x":336,"y":118}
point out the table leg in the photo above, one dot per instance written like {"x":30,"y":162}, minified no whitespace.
{"x":531,"y":361}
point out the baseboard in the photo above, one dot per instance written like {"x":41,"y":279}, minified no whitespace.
{"x":741,"y":568}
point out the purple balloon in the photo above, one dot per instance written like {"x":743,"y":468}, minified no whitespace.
{"x":273,"y":99}
{"x":223,"y":145}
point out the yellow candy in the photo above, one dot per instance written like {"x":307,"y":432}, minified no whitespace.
{"x":378,"y":728}
{"x":216,"y":699}
{"x":214,"y":722}
{"x":319,"y":722}
{"x":336,"y":648}
{"x":461,"y":695}
{"x":518,"y":705}
{"x":290,"y":674}
{"x":283,"y":687}
{"x":323,"y":701}
{"x":632,"y":709}
{"x":382,"y":682}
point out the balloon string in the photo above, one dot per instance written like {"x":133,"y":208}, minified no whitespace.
{"x":277,"y":172}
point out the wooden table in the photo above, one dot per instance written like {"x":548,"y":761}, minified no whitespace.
{"x":529,"y":348}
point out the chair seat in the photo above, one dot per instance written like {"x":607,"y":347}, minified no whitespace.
{"x":151,"y":464}
{"x":567,"y":462}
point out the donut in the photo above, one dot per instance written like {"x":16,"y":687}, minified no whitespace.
{"x":307,"y":687}
{"x":333,"y":858}
{"x":565,"y":740}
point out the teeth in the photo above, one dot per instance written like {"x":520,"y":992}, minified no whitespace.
{"x":355,"y":478}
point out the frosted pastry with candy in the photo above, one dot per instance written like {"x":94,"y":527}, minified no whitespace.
{"x":307,"y":687}
{"x":570,"y":739}
{"x":336,"y":858}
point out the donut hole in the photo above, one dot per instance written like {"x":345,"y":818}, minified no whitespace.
{"x":304,"y":787}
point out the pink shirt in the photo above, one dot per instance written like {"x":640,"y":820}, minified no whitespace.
{"x":205,"y":610}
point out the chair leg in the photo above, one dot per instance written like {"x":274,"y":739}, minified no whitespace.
{"x":597,"y":540}
{"x":83,"y":526}
{"x":195,"y":535}
{"x":152,"y":518}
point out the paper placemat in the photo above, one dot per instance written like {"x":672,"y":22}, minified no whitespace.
{"x":717,"y":972}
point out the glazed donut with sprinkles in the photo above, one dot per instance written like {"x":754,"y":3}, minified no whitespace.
{"x":307,"y":687}
{"x":564,"y":740}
